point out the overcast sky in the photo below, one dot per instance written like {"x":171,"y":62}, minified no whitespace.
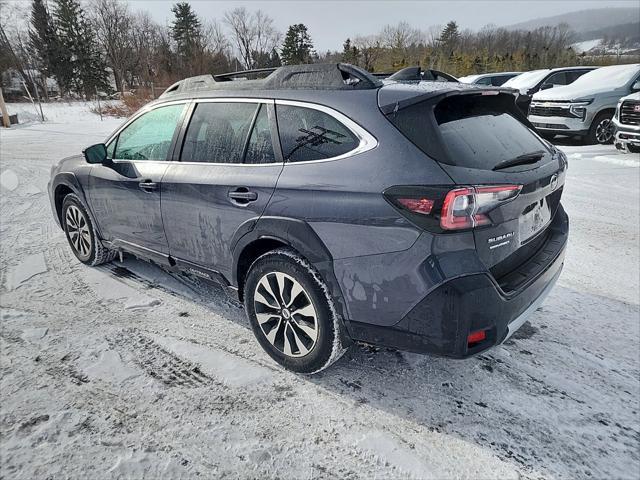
{"x":331,"y":22}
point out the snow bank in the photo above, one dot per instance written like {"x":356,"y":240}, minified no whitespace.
{"x":57,"y":112}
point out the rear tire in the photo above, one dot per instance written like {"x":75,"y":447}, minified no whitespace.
{"x":601,"y":131}
{"x":81,"y":233}
{"x":291,"y":312}
{"x":633,"y":148}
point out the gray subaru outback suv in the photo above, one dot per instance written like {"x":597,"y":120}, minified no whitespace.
{"x":423,"y":216}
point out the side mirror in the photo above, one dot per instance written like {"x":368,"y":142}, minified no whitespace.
{"x":546,"y":86}
{"x":95,"y":153}
{"x":636,"y":87}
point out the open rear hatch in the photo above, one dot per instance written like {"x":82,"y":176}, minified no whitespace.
{"x":509,"y":180}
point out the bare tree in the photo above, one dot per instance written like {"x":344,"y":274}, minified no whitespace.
{"x":400,"y":36}
{"x":113,"y":23}
{"x":14,"y":51}
{"x":253,"y":34}
{"x":215,"y":38}
{"x":370,"y":49}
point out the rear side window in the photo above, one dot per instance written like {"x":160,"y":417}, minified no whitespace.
{"x":308,"y":134}
{"x":218,"y":132}
{"x":260,"y":148}
{"x":475,"y":131}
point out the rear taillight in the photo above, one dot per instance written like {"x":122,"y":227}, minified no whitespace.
{"x":422,"y":206}
{"x":468,"y":207}
{"x":440,"y":208}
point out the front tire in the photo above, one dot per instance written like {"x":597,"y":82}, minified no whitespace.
{"x":81,"y":233}
{"x":291,"y":312}
{"x":601,"y":131}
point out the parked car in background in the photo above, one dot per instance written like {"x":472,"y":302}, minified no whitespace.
{"x":626,"y":122}
{"x":529,"y":83}
{"x":424,"y":217}
{"x":490,"y":79}
{"x":586,"y":107}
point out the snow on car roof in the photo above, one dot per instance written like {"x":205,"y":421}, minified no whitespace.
{"x":615,"y":76}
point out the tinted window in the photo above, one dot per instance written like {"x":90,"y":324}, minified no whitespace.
{"x":574,"y":75}
{"x":484,"y":81}
{"x":149,"y":136}
{"x":307,"y":134}
{"x":498,"y":81}
{"x":475,"y":131}
{"x":217,"y":132}
{"x":559,"y":78}
{"x":260,"y":148}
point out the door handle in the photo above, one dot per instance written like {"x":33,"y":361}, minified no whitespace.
{"x":242,"y":196}
{"x":148,"y":186}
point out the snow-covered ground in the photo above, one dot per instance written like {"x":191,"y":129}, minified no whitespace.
{"x":127,"y":371}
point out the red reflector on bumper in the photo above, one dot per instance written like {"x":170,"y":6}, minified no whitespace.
{"x":476,"y":337}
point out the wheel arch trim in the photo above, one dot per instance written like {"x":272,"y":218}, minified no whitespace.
{"x":298,"y":235}
{"x":70,"y":181}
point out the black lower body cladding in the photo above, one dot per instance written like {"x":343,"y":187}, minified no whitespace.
{"x":441,"y":322}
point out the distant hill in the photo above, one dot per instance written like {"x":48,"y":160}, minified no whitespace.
{"x":628,"y":31}
{"x":589,"y":23}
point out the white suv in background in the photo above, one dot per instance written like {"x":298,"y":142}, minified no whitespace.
{"x":586,"y":107}
{"x":627,"y":123}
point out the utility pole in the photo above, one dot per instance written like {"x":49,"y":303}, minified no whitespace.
{"x":35,"y":87}
{"x":5,"y":115}
{"x":24,"y":84}
{"x":99,"y":107}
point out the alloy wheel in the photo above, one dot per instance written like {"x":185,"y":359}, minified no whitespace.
{"x":286,"y":314}
{"x":604,"y":131}
{"x":78,"y":231}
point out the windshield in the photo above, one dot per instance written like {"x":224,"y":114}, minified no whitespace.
{"x":616,"y":76}
{"x":527,"y":79}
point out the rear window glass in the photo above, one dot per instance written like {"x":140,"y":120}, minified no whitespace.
{"x":308,"y":134}
{"x":475,"y":131}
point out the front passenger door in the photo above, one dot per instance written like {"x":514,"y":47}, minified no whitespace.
{"x":125,"y":193}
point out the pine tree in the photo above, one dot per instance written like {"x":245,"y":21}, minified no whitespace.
{"x":297,"y":46}
{"x":186,"y":31}
{"x":275,"y":60}
{"x":449,"y":37}
{"x":350,"y":52}
{"x":45,"y":46}
{"x":85,"y":71}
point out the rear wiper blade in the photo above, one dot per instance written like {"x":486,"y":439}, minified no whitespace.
{"x":525,"y":159}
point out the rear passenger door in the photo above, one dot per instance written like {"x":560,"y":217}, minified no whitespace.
{"x":223,"y":176}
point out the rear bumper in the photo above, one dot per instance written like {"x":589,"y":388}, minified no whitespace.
{"x":441,"y":322}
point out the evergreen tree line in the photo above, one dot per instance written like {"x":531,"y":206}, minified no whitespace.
{"x":465,"y":52}
{"x":104,"y":44}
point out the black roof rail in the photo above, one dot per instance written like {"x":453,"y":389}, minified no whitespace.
{"x":226,"y":77}
{"x":317,"y":76}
